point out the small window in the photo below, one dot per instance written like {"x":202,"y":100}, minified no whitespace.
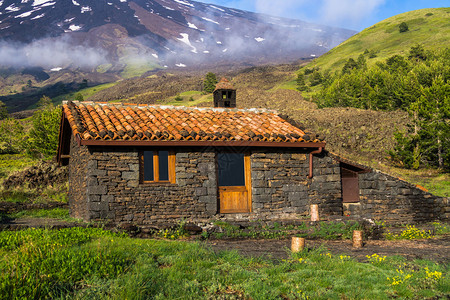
{"x":157,"y":166}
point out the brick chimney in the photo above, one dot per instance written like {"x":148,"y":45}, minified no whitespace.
{"x":224,"y":94}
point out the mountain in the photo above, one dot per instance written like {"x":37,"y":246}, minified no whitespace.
{"x":119,"y":35}
{"x":429,"y":27}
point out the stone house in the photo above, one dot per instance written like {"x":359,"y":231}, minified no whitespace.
{"x":147,"y":164}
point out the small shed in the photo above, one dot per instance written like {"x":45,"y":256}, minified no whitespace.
{"x":149,"y":164}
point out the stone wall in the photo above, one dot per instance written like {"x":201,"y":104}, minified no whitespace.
{"x":393,"y":200}
{"x":282,"y":189}
{"x":79,"y":157}
{"x":114,"y":191}
{"x":104,"y":185}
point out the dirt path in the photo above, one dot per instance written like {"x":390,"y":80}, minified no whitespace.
{"x":437,"y":249}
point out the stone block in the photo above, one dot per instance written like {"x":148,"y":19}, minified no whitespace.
{"x":133,"y":183}
{"x":133,"y":167}
{"x":97,"y":190}
{"x":201,"y":191}
{"x":92,"y":164}
{"x":130,"y":175}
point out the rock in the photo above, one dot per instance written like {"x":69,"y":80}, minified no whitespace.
{"x":192,"y":228}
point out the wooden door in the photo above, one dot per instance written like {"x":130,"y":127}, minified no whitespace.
{"x":350,"y":186}
{"x":234,"y":182}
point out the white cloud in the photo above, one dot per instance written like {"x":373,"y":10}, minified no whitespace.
{"x":348,"y":11}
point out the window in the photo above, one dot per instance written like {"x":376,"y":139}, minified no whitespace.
{"x":231,"y":169}
{"x":157,"y":166}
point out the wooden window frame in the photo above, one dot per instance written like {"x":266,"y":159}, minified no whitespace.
{"x":171,"y":166}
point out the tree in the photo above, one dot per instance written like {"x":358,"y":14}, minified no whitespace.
{"x":79,"y":97}
{"x":417,"y":53}
{"x":403,"y":27}
{"x":209,"y":84}
{"x":301,"y":84}
{"x":44,"y":133}
{"x":11,"y":136}
{"x":3,"y":111}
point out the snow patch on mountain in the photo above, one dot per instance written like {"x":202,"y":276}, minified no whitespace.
{"x":259,"y":39}
{"x":185,"y":3}
{"x":209,"y":20}
{"x":215,"y":7}
{"x":85,"y":9}
{"x":185,"y":39}
{"x":24,"y":15}
{"x":74,"y":27}
{"x":180,"y":65}
{"x":192,"y":25}
{"x":75,"y":3}
{"x":40,"y":2}
{"x":38,"y":17}
{"x":12,"y":8}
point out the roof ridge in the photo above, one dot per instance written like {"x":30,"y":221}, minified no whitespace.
{"x":182,"y":108}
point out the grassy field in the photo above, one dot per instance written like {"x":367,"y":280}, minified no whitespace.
{"x":189,"y":98}
{"x":87,"y":92}
{"x":82,"y":263}
{"x":429,"y":27}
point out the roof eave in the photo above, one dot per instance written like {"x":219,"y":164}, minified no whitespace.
{"x":203,"y":144}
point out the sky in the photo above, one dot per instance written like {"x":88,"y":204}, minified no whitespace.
{"x":350,"y":14}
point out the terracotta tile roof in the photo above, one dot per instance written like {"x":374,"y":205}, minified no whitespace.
{"x":224,"y":84}
{"x":132,"y":122}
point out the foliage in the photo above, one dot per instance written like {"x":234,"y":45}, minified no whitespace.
{"x":440,"y":228}
{"x":45,"y":129}
{"x":178,"y":98}
{"x":91,"y":263}
{"x":410,"y":233}
{"x":403,"y":27}
{"x":12,"y":136}
{"x":209,"y":84}
{"x":418,"y":83}
{"x":57,"y":213}
{"x":3,"y":111}
{"x":78,"y":97}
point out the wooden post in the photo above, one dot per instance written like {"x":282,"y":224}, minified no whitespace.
{"x":297,"y":244}
{"x":357,"y":238}
{"x":314,"y":212}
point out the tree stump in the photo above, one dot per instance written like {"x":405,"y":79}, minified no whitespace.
{"x":297,"y":244}
{"x":314,"y":212}
{"x":357,"y":239}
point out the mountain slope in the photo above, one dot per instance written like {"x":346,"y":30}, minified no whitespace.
{"x":172,"y":33}
{"x":430,"y":27}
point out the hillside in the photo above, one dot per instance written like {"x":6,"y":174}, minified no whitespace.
{"x":132,"y":37}
{"x":430,"y":27}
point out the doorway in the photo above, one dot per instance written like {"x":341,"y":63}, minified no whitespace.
{"x":234,"y":181}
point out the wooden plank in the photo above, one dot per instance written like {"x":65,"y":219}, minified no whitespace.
{"x":233,"y":199}
{"x":172,"y":176}
{"x":248,"y":181}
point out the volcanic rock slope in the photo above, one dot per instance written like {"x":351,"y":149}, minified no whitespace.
{"x":175,"y":33}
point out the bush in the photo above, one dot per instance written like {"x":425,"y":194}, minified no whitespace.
{"x":11,"y":136}
{"x":403,"y":27}
{"x":44,"y":133}
{"x":209,"y":84}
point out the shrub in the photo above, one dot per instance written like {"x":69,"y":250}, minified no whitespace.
{"x":45,"y":130}
{"x":403,"y":27}
{"x":209,"y":84}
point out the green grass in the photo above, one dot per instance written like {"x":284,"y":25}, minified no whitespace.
{"x":190,"y":98}
{"x":82,"y":263}
{"x":137,"y":69}
{"x":385,"y":40}
{"x":290,"y":85}
{"x":57,"y":213}
{"x":87,"y":92}
{"x":10,"y":163}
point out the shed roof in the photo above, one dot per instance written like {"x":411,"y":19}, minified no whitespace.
{"x":224,"y":84}
{"x":132,"y":122}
